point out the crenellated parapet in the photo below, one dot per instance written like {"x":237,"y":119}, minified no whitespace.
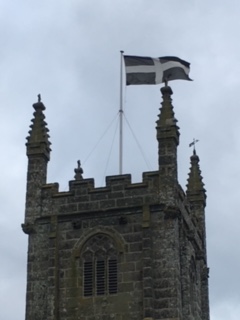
{"x":119,"y":194}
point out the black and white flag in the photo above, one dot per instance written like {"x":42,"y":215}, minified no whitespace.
{"x":146,"y":70}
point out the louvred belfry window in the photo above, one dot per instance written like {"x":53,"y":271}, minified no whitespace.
{"x":88,"y":278}
{"x":100,"y":277}
{"x":112,"y":276}
{"x":100,"y":271}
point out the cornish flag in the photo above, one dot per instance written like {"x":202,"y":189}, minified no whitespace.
{"x":146,"y":70}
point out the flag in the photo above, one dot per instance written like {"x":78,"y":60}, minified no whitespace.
{"x":146,"y":70}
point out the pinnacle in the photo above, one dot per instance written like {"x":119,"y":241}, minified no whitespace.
{"x":167,"y":118}
{"x":78,"y":171}
{"x":168,"y":138}
{"x":38,"y":139}
{"x":195,"y":185}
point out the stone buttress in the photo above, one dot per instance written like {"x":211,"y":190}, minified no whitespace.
{"x":122,"y":251}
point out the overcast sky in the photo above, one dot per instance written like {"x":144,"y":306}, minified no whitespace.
{"x":69,"y":52}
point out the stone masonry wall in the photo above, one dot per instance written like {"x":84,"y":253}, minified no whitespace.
{"x":154,"y":248}
{"x":128,"y":301}
{"x":37,"y":277}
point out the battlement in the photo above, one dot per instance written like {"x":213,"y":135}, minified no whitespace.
{"x":114,"y":185}
{"x":119,"y":192}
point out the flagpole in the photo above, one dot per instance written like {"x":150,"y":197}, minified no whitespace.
{"x":121,"y":115}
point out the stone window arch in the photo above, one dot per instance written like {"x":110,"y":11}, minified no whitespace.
{"x":99,"y":257}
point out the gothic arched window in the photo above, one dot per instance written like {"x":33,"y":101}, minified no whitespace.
{"x":100,"y":266}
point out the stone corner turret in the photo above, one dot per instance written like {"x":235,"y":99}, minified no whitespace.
{"x":38,"y":152}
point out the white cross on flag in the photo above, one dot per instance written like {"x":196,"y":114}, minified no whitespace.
{"x":146,"y":70}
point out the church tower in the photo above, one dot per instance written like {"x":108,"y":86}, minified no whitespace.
{"x":134,"y":251}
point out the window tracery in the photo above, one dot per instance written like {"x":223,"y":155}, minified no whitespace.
{"x":100,"y":266}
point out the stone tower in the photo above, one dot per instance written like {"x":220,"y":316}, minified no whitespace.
{"x":123,"y":251}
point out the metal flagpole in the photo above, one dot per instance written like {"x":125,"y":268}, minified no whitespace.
{"x":121,"y":116}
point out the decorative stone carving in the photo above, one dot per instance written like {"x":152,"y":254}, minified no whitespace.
{"x":205,"y":273}
{"x":122,"y":220}
{"x":172,"y":212}
{"x":77,"y":224}
{"x":28,"y":228}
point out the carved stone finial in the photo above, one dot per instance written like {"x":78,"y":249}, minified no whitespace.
{"x":78,"y":171}
{"x":166,"y":90}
